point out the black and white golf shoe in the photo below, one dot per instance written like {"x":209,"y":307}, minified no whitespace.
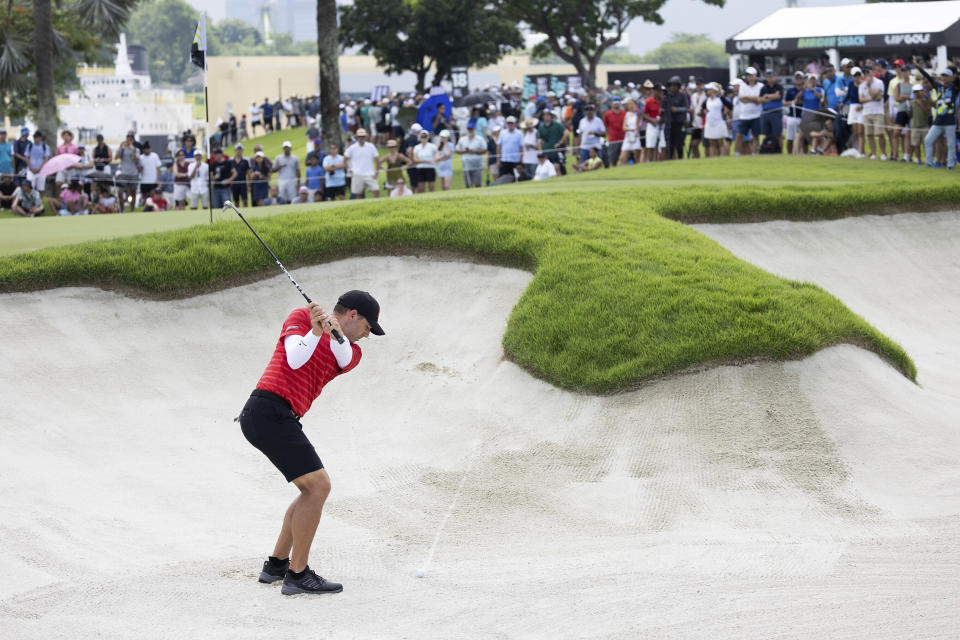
{"x":274,"y":570}
{"x":310,"y":582}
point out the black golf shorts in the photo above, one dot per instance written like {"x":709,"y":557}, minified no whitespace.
{"x":329,"y":193}
{"x":270,"y":425}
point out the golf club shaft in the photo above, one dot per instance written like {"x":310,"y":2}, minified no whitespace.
{"x":336,"y":334}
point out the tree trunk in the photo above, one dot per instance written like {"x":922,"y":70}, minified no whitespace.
{"x":328,"y":50}
{"x":43,"y":59}
{"x":590,"y":81}
{"x":421,"y":79}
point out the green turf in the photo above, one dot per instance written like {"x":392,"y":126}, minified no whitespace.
{"x":832,"y":186}
{"x":621,"y":294}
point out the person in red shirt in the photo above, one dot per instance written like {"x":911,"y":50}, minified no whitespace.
{"x":613,"y":121}
{"x":651,"y":114}
{"x":156,"y":201}
{"x":304,"y":360}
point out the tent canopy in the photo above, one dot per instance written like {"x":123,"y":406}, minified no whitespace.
{"x":905,"y":24}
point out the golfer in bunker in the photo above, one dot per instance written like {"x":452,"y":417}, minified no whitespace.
{"x":307,"y":357}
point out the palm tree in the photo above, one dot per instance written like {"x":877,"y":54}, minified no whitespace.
{"x":52,"y":53}
{"x":328,"y":49}
{"x":43,"y":60}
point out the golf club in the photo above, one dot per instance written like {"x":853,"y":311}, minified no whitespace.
{"x":336,"y":334}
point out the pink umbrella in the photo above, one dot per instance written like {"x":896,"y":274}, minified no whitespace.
{"x":59,"y":163}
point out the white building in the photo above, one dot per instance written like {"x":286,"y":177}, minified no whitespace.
{"x":111,"y":101}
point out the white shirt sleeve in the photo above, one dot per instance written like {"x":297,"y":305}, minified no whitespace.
{"x":342,"y":352}
{"x":301,"y":348}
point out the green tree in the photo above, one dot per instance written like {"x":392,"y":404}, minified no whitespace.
{"x":231,"y":31}
{"x":579,"y":31}
{"x":42,"y":43}
{"x":165,"y":28}
{"x":425,"y":35}
{"x":688,"y":50}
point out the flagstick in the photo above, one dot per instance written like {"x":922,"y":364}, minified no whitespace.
{"x":206,"y":111}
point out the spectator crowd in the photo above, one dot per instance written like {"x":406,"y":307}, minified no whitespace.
{"x":870,"y":108}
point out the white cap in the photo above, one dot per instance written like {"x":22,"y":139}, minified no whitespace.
{"x":917,"y":87}
{"x":415,"y":127}
{"x":616,"y":83}
{"x":946,"y":72}
{"x":551,"y":94}
{"x":238,"y":146}
{"x":845,"y":62}
{"x":752,"y":71}
{"x":342,"y":106}
{"x":444,"y":134}
{"x":855,"y":71}
{"x":511,"y":119}
{"x":261,"y":154}
{"x":631,"y":85}
{"x":287,"y":143}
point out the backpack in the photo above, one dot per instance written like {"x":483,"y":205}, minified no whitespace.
{"x":771,"y":145}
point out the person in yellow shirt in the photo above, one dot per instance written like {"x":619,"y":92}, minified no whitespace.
{"x":593,"y":162}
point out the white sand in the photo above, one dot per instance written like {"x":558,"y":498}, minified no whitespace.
{"x":801,"y":500}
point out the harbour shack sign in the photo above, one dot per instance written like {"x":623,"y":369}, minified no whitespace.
{"x":822,"y":43}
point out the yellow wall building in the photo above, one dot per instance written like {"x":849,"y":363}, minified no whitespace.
{"x":235,"y":82}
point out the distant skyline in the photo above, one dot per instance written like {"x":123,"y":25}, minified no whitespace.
{"x":680,"y":16}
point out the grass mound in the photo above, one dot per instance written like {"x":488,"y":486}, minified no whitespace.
{"x":621,"y":293}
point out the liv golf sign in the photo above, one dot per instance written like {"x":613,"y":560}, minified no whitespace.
{"x":822,"y":43}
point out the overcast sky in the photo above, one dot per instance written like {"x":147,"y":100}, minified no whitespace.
{"x":680,"y":16}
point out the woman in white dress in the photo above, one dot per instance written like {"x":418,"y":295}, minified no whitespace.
{"x":715,"y":126}
{"x":632,"y":145}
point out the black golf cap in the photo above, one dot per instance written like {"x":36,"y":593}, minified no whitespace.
{"x":366,"y":305}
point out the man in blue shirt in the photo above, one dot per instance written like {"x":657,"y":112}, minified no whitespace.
{"x":835,"y":86}
{"x":832,"y":82}
{"x":266,"y":113}
{"x":21,"y":147}
{"x":336,"y":179}
{"x":6,"y":153}
{"x":771,"y":97}
{"x":314,"y":176}
{"x":509,"y":148}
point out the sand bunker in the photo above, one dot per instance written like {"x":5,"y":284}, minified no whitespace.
{"x":799,"y":499}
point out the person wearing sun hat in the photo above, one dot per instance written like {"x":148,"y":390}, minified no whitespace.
{"x":395,"y":163}
{"x":531,"y":145}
